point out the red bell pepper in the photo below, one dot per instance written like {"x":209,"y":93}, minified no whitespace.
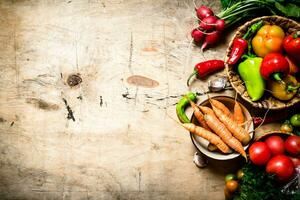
{"x":274,"y":65}
{"x":291,"y":45}
{"x":202,"y":69}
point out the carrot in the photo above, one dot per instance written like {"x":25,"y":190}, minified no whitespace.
{"x":238,"y":114}
{"x":198,"y":114}
{"x":221,"y":106}
{"x":211,"y":137}
{"x":207,"y":110}
{"x":238,"y":132}
{"x":221,"y":130}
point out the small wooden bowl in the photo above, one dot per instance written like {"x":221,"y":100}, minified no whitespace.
{"x":201,"y":144}
{"x":267,"y":101}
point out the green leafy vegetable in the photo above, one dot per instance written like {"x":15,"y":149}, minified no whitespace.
{"x":235,"y":11}
{"x":258,"y":185}
{"x":226,"y":3}
{"x":290,"y":10}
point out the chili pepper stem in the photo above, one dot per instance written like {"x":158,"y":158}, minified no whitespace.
{"x":188,"y":80}
{"x":253,"y":29}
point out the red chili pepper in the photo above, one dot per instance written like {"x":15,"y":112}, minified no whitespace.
{"x":270,"y":119}
{"x":202,"y":69}
{"x":274,"y":65}
{"x":240,"y":44}
{"x":291,"y":45}
{"x":238,"y":48}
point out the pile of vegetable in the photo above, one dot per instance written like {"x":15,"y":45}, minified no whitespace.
{"x":266,"y":60}
{"x":223,"y":129}
{"x":211,"y":26}
{"x":272,"y":167}
{"x":253,"y":183}
{"x":278,"y":155}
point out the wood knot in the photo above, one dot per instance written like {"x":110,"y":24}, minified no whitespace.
{"x":74,"y":80}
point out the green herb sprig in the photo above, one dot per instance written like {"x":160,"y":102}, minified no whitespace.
{"x":258,"y":185}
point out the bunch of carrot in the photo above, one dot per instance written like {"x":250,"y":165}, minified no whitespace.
{"x":220,"y":127}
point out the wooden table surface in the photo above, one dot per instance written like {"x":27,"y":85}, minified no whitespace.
{"x":87,"y":89}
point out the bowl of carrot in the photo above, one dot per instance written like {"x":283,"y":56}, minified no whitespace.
{"x":229,"y":121}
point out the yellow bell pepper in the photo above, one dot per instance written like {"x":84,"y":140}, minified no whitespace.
{"x":268,"y":39}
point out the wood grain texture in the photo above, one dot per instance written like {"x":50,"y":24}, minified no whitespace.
{"x":101,"y":137}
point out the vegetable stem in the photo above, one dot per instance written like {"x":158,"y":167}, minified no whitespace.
{"x":238,"y":10}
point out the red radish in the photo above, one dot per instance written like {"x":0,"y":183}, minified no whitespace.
{"x":208,"y":23}
{"x":210,"y":39}
{"x":220,"y":24}
{"x":203,"y":12}
{"x":197,"y":35}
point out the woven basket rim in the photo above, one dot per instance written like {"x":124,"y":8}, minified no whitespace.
{"x":273,"y":132}
{"x":266,"y":104}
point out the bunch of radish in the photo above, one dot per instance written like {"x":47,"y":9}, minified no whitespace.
{"x":209,"y":29}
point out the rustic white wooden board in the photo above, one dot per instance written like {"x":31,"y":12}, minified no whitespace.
{"x":121,"y":143}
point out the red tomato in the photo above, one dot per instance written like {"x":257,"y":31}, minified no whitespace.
{"x":296,"y":161}
{"x":282,"y":166}
{"x":259,"y":153}
{"x":292,"y":145}
{"x":275,"y":144}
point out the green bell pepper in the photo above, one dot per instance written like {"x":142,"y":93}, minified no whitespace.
{"x":249,"y":71}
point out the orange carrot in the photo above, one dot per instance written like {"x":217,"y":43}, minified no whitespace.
{"x":238,"y":114}
{"x":221,"y":130}
{"x":198,"y":114}
{"x":207,"y":110}
{"x":221,"y":106}
{"x":237,"y":131}
{"x":211,"y":137}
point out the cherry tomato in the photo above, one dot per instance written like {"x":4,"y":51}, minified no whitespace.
{"x":295,"y":120}
{"x":286,"y":127}
{"x":227,"y":194}
{"x":232,"y":185}
{"x":275,"y":144}
{"x":229,"y":177}
{"x":240,"y":174}
{"x":282,"y":166}
{"x":259,"y":153}
{"x":292,"y":145}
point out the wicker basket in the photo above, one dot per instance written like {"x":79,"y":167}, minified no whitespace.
{"x":261,"y":136}
{"x":267,"y":101}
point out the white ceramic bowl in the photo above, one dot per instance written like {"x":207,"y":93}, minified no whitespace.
{"x":201,"y":143}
